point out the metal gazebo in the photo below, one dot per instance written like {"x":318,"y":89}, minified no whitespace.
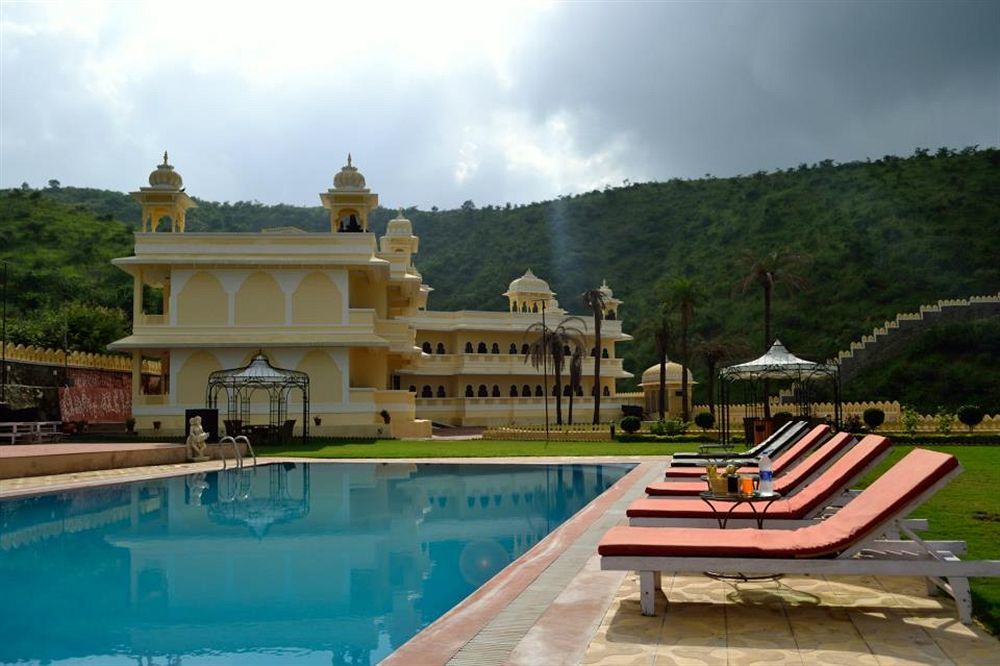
{"x":781,"y":365}
{"x":241,"y":383}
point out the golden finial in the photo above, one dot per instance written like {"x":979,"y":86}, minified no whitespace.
{"x":348,"y":159}
{"x":400,"y":216}
{"x":164,"y":158}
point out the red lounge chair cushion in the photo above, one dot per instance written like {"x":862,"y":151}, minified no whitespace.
{"x":800,"y":505}
{"x":788,"y":457}
{"x":784,"y":484}
{"x":889,"y":495}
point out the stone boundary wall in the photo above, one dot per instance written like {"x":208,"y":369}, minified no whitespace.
{"x":76,"y":359}
{"x":887,"y":340}
{"x":893,"y":415}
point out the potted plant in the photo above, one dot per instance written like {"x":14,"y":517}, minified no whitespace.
{"x":156,"y":425}
{"x":130,"y":424}
{"x":318,"y":420}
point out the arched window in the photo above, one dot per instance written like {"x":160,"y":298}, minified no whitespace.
{"x":513,"y":390}
{"x":525,"y":349}
{"x":483,"y":393}
{"x":440,"y":393}
{"x":593,"y":351}
{"x":426,"y":347}
{"x":604,"y":353}
{"x":496,"y":391}
{"x":412,"y":389}
{"x":611,"y":316}
{"x":579,"y":391}
{"x":524,"y":307}
{"x":495,"y":349}
{"x":538,"y":391}
{"x":534,"y":308}
{"x":513,"y":348}
{"x":526,"y":391}
{"x":567,"y":390}
{"x":481,"y":349}
{"x":593,"y":391}
{"x":555,"y":390}
{"x":468,"y":390}
{"x":440,"y":348}
{"x":468,"y":347}
{"x":566,"y":350}
{"x":606,"y":392}
{"x":426,"y":392}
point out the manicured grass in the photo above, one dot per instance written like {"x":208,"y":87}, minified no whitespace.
{"x":968,"y":509}
{"x":474,"y":448}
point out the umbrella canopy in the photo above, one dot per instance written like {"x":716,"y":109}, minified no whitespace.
{"x":777,"y":363}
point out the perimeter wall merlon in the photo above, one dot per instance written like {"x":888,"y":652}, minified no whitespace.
{"x":892,"y":409}
{"x":887,"y":340}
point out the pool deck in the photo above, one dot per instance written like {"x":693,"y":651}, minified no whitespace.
{"x":555,"y":606}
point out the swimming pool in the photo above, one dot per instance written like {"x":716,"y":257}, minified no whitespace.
{"x":283,"y":563}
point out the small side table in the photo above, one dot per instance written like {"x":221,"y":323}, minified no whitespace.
{"x":737,"y":499}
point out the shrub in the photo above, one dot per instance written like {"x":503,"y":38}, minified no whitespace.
{"x":704,"y":420}
{"x":874,"y":417}
{"x":945,"y":420}
{"x":909,"y":418}
{"x":631,"y":424}
{"x":669,"y":427}
{"x":781,"y":418}
{"x":970,"y":415}
{"x":853,"y":423}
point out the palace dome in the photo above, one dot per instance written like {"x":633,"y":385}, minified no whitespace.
{"x":165,"y":178}
{"x":651,"y":377}
{"x":349,"y":178}
{"x":606,"y":290}
{"x":399,"y":226}
{"x":529,"y":283}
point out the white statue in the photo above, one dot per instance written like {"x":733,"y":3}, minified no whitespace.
{"x":196,"y":440}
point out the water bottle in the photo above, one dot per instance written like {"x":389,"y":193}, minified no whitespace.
{"x":766,"y":486}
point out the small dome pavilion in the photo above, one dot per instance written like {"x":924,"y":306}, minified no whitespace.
{"x":650,"y":384}
{"x":164,"y":198}
{"x":529,"y":292}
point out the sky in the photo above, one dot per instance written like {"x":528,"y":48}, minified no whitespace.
{"x":498,"y":102}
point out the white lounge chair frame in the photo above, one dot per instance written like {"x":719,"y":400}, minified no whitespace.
{"x":937,"y":561}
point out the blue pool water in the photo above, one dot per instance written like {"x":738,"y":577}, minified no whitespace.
{"x":282,"y":564}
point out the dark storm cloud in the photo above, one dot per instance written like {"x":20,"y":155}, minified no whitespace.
{"x":586,"y":94}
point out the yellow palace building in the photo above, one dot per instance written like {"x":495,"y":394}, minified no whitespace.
{"x":347,"y":309}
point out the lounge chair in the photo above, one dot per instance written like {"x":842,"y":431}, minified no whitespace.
{"x":827,"y":489}
{"x":846,"y":543}
{"x":725,"y":450}
{"x":791,"y":453}
{"x":786,"y":481}
{"x":775,"y":446}
{"x":755,"y":452}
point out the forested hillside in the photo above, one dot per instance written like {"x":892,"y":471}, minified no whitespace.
{"x":879,"y":237}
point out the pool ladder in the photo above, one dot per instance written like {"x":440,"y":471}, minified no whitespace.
{"x":235,"y":442}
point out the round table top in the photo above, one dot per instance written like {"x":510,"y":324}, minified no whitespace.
{"x":756,"y":496}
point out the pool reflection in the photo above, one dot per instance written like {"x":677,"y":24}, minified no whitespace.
{"x":306,"y":562}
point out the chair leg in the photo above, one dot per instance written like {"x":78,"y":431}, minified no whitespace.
{"x":649,"y":583}
{"x":963,"y":598}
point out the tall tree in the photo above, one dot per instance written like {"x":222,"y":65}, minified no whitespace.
{"x":662,"y":341}
{"x":684,"y":294}
{"x":596,"y":301}
{"x":713,"y":352}
{"x":549,"y":345}
{"x":575,"y":372}
{"x":780,"y":267}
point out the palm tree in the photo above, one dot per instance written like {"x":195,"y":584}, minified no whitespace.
{"x":778,"y":267}
{"x":714,"y":351}
{"x":662,"y":340}
{"x":775,"y":268}
{"x":550,"y":344}
{"x":596,"y":301}
{"x":683,"y":294}
{"x":575,"y":371}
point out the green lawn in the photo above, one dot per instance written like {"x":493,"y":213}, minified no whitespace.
{"x":967,"y":509}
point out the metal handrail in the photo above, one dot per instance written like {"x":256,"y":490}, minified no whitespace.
{"x":236,"y":452}
{"x":246,"y":440}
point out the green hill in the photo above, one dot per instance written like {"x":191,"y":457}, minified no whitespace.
{"x":883,"y":237}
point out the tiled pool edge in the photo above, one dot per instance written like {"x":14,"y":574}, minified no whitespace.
{"x":487,"y":626}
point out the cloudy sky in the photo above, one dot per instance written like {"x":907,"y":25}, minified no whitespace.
{"x":493,"y":102}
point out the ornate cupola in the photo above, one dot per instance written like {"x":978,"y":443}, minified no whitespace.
{"x":610,"y":302}
{"x":349,"y":200}
{"x":529,"y":293}
{"x":164,"y":197}
{"x":399,"y":236}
